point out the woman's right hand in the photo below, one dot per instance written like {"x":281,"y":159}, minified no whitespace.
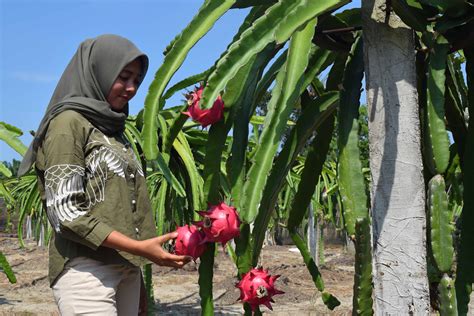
{"x":152,"y":249}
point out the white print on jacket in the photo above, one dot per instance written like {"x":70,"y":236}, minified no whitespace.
{"x":118,"y":160}
{"x":99,"y":163}
{"x":64,"y":184}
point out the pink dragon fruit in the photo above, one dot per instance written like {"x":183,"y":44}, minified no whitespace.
{"x":221,"y":223}
{"x":205,"y":117}
{"x":257,"y":287}
{"x":189,"y":242}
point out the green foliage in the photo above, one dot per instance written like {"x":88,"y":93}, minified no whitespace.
{"x":21,"y":195}
{"x":411,"y":15}
{"x":195,"y":180}
{"x":6,"y":269}
{"x":12,"y":167}
{"x":24,"y":194}
{"x":447,"y":297}
{"x":212,"y":165}
{"x":362,"y":299}
{"x":306,"y":188}
{"x":455,"y":104}
{"x":313,"y":164}
{"x":148,"y":282}
{"x":186,"y":83}
{"x":277,"y":25}
{"x":284,"y":95}
{"x":437,"y":142}
{"x":350,"y":177}
{"x":441,"y":228}
{"x":205,"y":279}
{"x":239,"y":4}
{"x":465,"y":260}
{"x":168,"y":175}
{"x":10,"y":134}
{"x":312,"y":118}
{"x":450,"y":15}
{"x":208,"y":14}
{"x":329,"y":300}
{"x":5,"y":171}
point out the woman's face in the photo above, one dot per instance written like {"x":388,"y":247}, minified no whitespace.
{"x":125,"y":86}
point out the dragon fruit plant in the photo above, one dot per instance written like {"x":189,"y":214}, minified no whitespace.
{"x":257,"y":288}
{"x":190,"y":242}
{"x":205,"y":117}
{"x":221,"y":223}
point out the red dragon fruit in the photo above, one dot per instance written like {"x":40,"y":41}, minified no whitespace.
{"x":189,"y":242}
{"x":204,"y":116}
{"x":257,"y":287}
{"x":221,"y":223}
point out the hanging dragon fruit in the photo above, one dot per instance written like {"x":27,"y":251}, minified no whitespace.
{"x":205,"y":117}
{"x":190,"y":242}
{"x":257,"y":288}
{"x":221,"y":223}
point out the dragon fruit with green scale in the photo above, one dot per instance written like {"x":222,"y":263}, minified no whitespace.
{"x":257,"y":288}
{"x":221,"y":223}
{"x":205,"y":117}
{"x":189,"y":242}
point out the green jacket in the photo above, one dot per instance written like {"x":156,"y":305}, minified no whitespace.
{"x":90,"y":185}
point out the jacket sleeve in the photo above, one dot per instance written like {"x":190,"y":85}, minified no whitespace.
{"x":64,"y":179}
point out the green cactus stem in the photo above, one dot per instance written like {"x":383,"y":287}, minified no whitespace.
{"x":440,"y":224}
{"x":447,"y":297}
{"x":362,"y":300}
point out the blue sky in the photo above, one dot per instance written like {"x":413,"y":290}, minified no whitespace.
{"x":38,"y":38}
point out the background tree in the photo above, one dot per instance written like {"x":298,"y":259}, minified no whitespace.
{"x":398,"y":197}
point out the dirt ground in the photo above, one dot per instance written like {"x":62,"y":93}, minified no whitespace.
{"x":176,"y":291}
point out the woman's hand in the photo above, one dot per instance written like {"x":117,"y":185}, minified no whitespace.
{"x":150,"y":248}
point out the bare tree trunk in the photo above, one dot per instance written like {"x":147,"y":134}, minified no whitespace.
{"x":29,"y":230}
{"x":349,"y":246}
{"x":312,"y":243}
{"x":320,"y":242}
{"x":41,"y":237}
{"x":397,"y":192}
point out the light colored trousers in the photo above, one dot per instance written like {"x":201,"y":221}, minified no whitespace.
{"x":90,"y":287}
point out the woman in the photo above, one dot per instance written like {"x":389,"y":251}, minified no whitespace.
{"x":92,"y":186}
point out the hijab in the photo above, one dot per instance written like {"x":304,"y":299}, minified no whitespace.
{"x":85,"y":85}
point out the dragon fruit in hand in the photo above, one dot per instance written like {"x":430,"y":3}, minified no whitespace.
{"x":189,"y":242}
{"x":257,"y":287}
{"x":204,"y":116}
{"x":221,"y":223}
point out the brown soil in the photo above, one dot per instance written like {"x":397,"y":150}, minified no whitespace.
{"x":176,"y":291}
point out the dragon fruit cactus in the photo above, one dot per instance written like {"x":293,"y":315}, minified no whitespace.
{"x":189,"y":242}
{"x":221,"y":223}
{"x":205,"y":117}
{"x":257,"y":287}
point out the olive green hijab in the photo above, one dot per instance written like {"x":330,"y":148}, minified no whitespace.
{"x":84,"y":86}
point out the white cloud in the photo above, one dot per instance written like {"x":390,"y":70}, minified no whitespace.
{"x":34,"y":77}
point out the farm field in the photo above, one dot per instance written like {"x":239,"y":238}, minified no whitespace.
{"x":355,"y":117}
{"x":177,"y":291}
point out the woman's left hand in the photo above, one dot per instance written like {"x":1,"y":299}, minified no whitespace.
{"x":152,"y":249}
